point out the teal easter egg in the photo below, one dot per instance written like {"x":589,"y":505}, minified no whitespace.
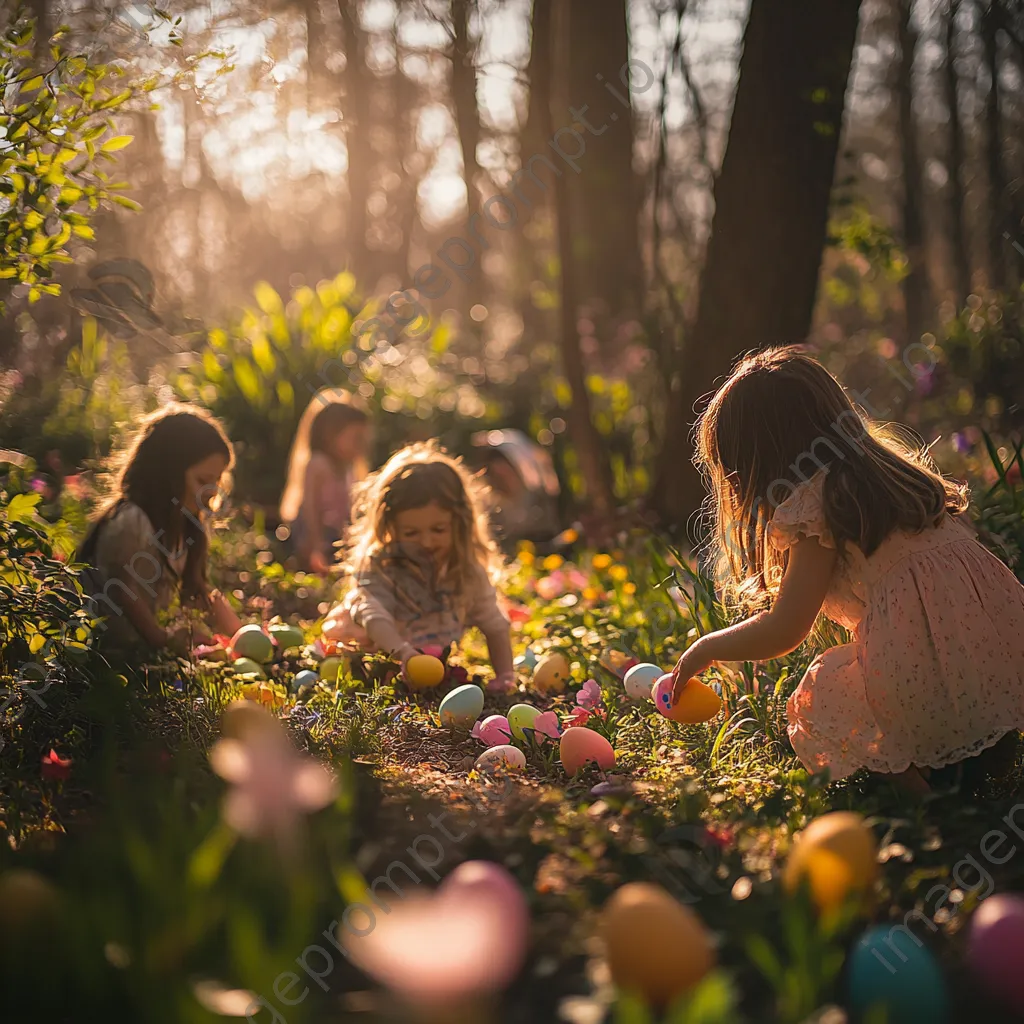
{"x":640,"y":679}
{"x":890,"y":967}
{"x":286,"y":636}
{"x":251,"y":642}
{"x":462,"y":706}
{"x":304,"y":678}
{"x":247,"y":667}
{"x":520,"y":717}
{"x":526,"y":661}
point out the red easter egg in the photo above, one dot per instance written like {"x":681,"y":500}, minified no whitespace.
{"x":579,"y":746}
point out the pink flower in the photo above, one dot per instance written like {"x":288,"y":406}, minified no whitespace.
{"x":589,"y":695}
{"x":550,"y":587}
{"x":434,"y":650}
{"x":578,"y":579}
{"x":444,"y":950}
{"x":517,"y":613}
{"x":475,"y":732}
{"x":546,"y":724}
{"x":272,"y":783}
{"x":55,"y":767}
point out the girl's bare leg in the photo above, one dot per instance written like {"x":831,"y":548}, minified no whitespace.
{"x":911,"y":781}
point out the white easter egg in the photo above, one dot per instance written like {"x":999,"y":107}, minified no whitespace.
{"x":462,"y":706}
{"x":505,"y":754}
{"x":639,"y":680}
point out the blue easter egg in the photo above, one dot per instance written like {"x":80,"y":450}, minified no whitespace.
{"x":303,"y":678}
{"x":527,"y":660}
{"x":890,"y":966}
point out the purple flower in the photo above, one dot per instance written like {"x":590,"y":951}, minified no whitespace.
{"x":960,"y":443}
{"x":589,"y":695}
{"x":38,"y":485}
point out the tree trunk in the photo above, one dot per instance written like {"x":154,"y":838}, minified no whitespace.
{"x":593,"y":462}
{"x":957,"y":229}
{"x":760,"y":278}
{"x":357,"y":137}
{"x":603,"y":188}
{"x":997,"y":211}
{"x":467,"y":121}
{"x":915,"y":284}
{"x":316,"y":53}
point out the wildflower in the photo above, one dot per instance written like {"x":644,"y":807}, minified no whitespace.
{"x":551,"y":587}
{"x":552,"y":562}
{"x":272,"y":783}
{"x":629,"y":588}
{"x":590,"y":594}
{"x":444,"y":950}
{"x":580,"y":716}
{"x":570,"y":536}
{"x":601,"y":562}
{"x":589,"y":695}
{"x":578,"y":579}
{"x":525,"y":558}
{"x":619,"y":573}
{"x":55,"y":767}
{"x":546,"y":724}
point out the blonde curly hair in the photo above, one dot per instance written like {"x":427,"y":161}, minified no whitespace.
{"x":414,"y":477}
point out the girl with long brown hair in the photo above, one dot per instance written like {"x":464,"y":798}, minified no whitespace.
{"x":817,"y":509}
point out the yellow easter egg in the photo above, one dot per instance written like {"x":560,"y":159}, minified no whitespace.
{"x":423,"y":671}
{"x":656,"y":947}
{"x":838,"y":855}
{"x":552,"y":673}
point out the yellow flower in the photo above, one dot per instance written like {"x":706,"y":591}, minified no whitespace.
{"x":570,"y":536}
{"x":619,"y":573}
{"x":602,"y":562}
{"x":526,"y":545}
{"x":525,"y":557}
{"x":629,"y":588}
{"x":589,"y":594}
{"x":553,"y":562}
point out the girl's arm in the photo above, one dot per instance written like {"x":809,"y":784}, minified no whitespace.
{"x":774,"y":633}
{"x":141,"y":616}
{"x":499,"y":650}
{"x":222,"y":616}
{"x":312,"y":515}
{"x":489,"y":619}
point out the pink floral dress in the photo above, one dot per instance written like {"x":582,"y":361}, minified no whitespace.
{"x":935,"y":672}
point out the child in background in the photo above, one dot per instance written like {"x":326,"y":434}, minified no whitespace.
{"x":327,"y":459}
{"x":935,"y":671}
{"x":149,"y":543}
{"x":422,"y":563}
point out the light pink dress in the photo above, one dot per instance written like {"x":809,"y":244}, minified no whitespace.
{"x":935,"y":672}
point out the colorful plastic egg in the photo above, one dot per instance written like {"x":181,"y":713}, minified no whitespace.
{"x":330,"y":667}
{"x":251,"y":642}
{"x":520,"y":718}
{"x":995,"y":947}
{"x":656,"y":947}
{"x":580,"y":746}
{"x":838,"y":854}
{"x":527,"y":660}
{"x":424,"y":671}
{"x":247,"y":667}
{"x":889,"y":967}
{"x":640,"y":680}
{"x":552,"y":673}
{"x":495,"y":730}
{"x":304,"y":678}
{"x":503,"y":754}
{"x":697,"y":703}
{"x":462,"y":706}
{"x":286,"y":636}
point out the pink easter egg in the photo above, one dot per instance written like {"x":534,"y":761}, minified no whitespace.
{"x":996,"y":947}
{"x":580,"y":746}
{"x":495,"y":730}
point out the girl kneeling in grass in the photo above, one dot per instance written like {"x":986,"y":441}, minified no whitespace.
{"x":422,"y":563}
{"x":149,"y":543}
{"x":935,"y":671}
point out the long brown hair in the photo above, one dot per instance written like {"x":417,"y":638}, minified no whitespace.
{"x":413,"y":478}
{"x":330,"y":411}
{"x":150,"y":473}
{"x":780,"y":414}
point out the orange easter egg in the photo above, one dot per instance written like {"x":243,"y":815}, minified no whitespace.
{"x":578,"y":746}
{"x":656,"y":947}
{"x":838,"y":854}
{"x":423,"y":671}
{"x":551,"y":674}
{"x":697,"y":703}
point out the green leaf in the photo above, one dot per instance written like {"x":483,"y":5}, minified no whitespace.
{"x":246,"y":379}
{"x":21,"y":508}
{"x":128,"y":204}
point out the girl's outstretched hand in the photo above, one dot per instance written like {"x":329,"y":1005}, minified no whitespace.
{"x":696,"y":659}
